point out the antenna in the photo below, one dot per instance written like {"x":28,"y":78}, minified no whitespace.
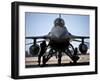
{"x":59,"y":15}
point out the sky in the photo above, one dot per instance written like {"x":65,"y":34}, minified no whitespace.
{"x":39,"y":24}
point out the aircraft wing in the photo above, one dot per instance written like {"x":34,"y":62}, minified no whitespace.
{"x":80,"y":41}
{"x":36,"y":42}
{"x":37,"y":37}
{"x":77,"y":37}
{"x":46,"y":37}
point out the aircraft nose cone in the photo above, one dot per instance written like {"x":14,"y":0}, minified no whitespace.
{"x":58,"y":32}
{"x":58,"y":35}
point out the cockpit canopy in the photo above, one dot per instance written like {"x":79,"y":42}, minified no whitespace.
{"x":59,"y":22}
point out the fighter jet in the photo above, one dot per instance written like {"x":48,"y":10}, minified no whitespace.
{"x":58,"y":42}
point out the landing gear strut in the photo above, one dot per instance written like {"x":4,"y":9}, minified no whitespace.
{"x":59,"y":57}
{"x":75,"y":58}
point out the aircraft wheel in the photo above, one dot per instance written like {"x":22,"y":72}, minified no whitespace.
{"x":71,"y":49}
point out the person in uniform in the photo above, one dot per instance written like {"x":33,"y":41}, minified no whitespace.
{"x":42,"y":51}
{"x":75,"y":57}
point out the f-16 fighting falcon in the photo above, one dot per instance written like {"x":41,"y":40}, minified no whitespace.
{"x":58,"y":42}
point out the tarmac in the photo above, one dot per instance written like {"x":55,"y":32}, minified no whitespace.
{"x":31,"y":62}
